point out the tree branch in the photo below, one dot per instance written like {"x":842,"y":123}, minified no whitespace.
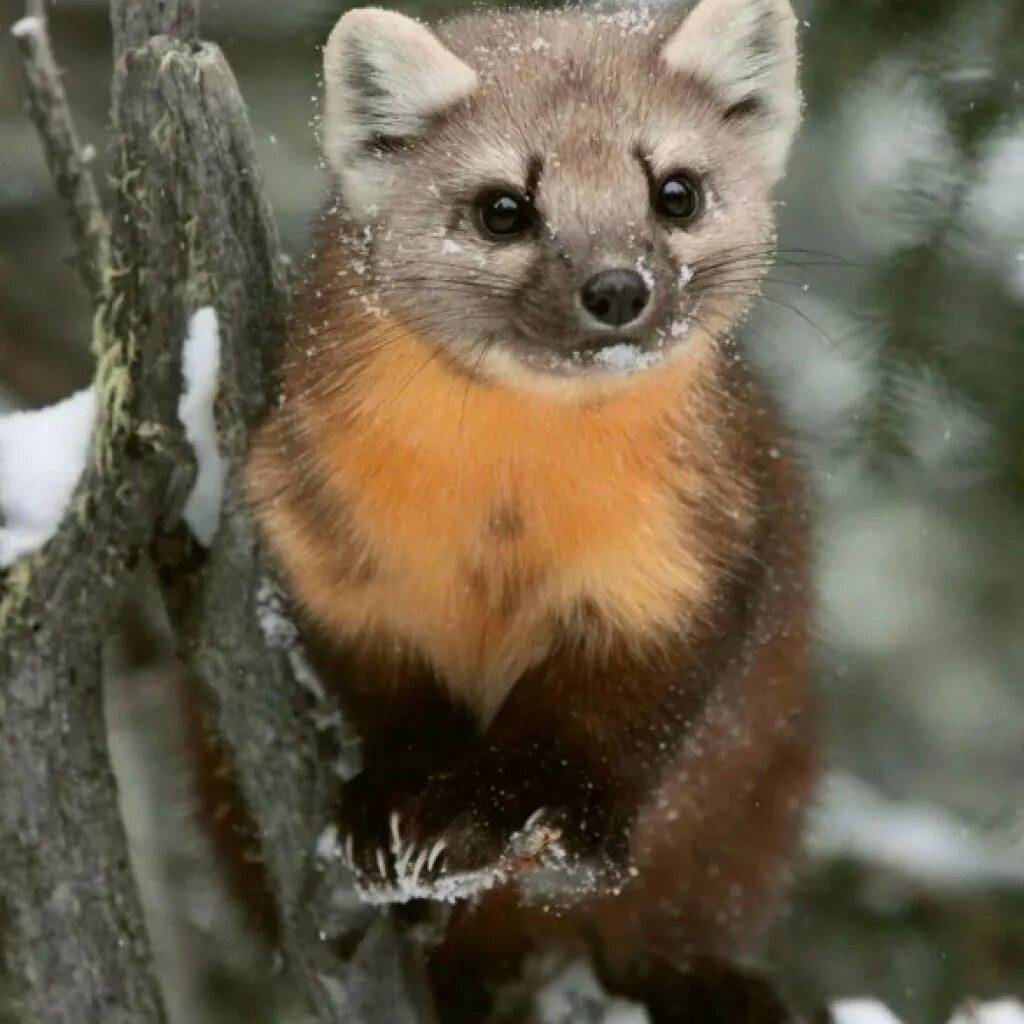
{"x":190,"y":227}
{"x":135,"y":22}
{"x":48,"y":108}
{"x":74,"y":946}
{"x":265,"y":719}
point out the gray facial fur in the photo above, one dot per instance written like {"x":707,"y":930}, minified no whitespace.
{"x":584,"y":113}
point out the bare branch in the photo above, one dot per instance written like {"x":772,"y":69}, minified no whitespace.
{"x":48,"y":108}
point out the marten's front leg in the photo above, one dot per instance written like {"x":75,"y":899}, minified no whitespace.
{"x":560,"y":774}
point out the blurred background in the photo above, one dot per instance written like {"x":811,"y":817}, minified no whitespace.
{"x":893,"y":330}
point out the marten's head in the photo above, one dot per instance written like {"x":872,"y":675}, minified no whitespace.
{"x":563,"y":195}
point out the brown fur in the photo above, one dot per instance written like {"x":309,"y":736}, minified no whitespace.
{"x":539,"y":584}
{"x":407,"y":466}
{"x":651,"y":580}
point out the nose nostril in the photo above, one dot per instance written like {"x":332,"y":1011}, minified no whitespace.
{"x":615,"y":297}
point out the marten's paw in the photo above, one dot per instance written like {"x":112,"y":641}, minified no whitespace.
{"x":440,"y":844}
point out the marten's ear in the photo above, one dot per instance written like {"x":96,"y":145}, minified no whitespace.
{"x":746,"y":51}
{"x":385,"y":77}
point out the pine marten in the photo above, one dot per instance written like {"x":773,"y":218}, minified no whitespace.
{"x":544,"y":526}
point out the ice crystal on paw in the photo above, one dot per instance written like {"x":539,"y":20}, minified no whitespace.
{"x":417,"y":870}
{"x":42,"y":456}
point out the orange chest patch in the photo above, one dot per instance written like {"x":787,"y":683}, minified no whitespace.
{"x":491,"y":515}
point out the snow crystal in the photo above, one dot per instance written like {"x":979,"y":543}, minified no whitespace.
{"x":42,"y":456}
{"x":1002,"y":1011}
{"x":448,"y":247}
{"x":862,"y":1011}
{"x":626,"y":358}
{"x":30,"y":26}
{"x":200,"y":368}
{"x":645,"y":272}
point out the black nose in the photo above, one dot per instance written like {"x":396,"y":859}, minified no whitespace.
{"x":615,"y":297}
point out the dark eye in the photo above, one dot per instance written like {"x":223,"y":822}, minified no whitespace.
{"x":680,"y":198}
{"x":504,"y":214}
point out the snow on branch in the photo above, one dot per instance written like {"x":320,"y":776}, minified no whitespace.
{"x":43,"y":453}
{"x":201,"y":369}
{"x":42,"y":457}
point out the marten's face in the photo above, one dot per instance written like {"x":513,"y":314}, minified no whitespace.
{"x":569,"y":196}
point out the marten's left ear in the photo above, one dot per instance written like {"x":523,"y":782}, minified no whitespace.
{"x":385,"y":78}
{"x":745,"y":50}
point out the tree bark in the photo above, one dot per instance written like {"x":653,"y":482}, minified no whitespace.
{"x":190,"y":227}
{"x":135,"y":22}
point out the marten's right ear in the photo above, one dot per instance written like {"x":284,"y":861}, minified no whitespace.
{"x":746,"y":51}
{"x":385,"y":77}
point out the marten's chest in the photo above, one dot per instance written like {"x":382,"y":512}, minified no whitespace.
{"x":477,"y":522}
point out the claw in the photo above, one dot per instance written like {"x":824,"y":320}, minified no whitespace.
{"x":403,"y":861}
{"x":394,"y":823}
{"x":535,"y":819}
{"x":417,"y":870}
{"x":436,"y":852}
{"x":349,"y":846}
{"x":382,"y":864}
